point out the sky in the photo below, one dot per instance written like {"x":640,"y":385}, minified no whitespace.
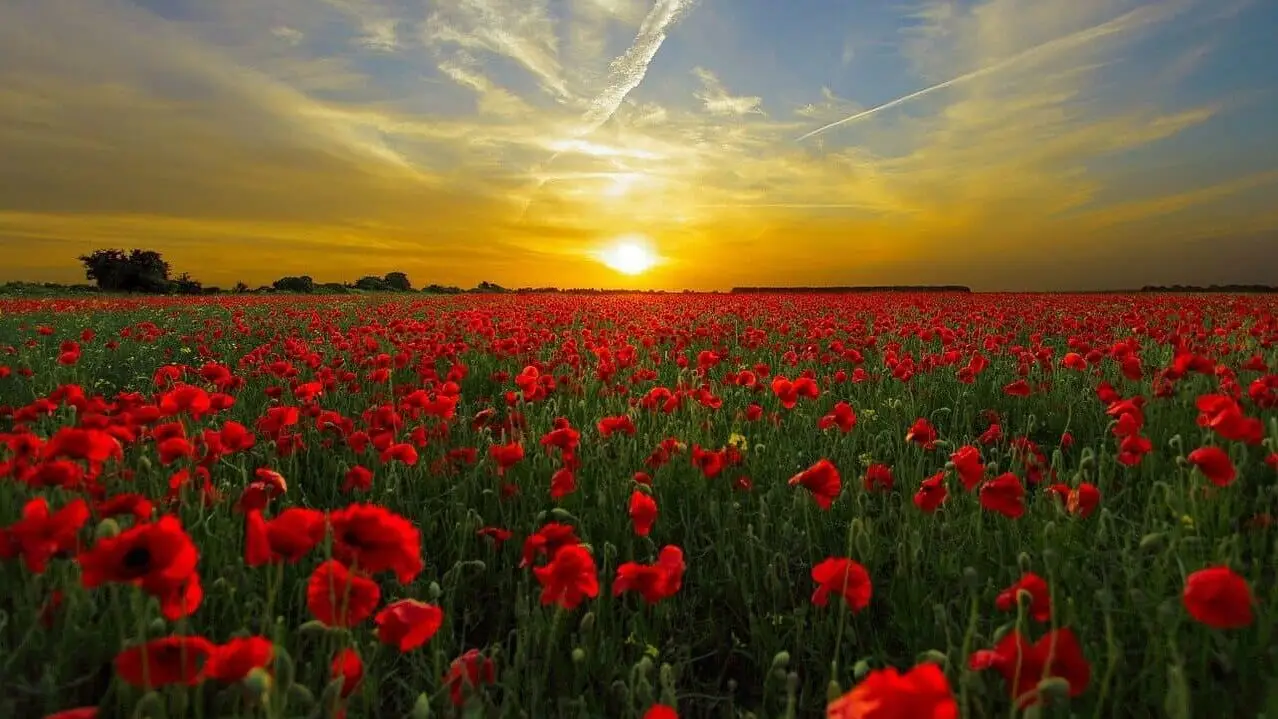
{"x":1000,"y":144}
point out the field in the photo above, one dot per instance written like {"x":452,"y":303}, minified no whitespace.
{"x":619,"y":506}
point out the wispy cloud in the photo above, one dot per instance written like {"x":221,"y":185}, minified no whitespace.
{"x":627,"y":72}
{"x":507,"y":139}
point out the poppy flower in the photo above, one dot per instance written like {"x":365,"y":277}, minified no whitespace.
{"x":1080,"y":501}
{"x":967,"y":462}
{"x":159,"y":557}
{"x":660,"y":711}
{"x":40,"y":534}
{"x":841,"y":416}
{"x":653,"y":582}
{"x":1218,"y":597}
{"x":232,"y":661}
{"x":288,"y":537}
{"x":643,"y":512}
{"x":506,"y":455}
{"x":408,"y":623}
{"x":79,"y":713}
{"x":1040,"y":604}
{"x":469,"y":671}
{"x":562,"y":483}
{"x":376,"y":539}
{"x":349,"y":668}
{"x":161,"y":662}
{"x":1004,"y":494}
{"x":548,"y":541}
{"x":878,"y":477}
{"x":358,"y":478}
{"x":1024,"y":665}
{"x":822,"y":480}
{"x":931,"y":493}
{"x":339,"y":597}
{"x":922,"y":433}
{"x":921,"y":693}
{"x":569,"y":578}
{"x":844,"y":578}
{"x":1215,"y":464}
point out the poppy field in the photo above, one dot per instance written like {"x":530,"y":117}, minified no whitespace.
{"x":859,"y":505}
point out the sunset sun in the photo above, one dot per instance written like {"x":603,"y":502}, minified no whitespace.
{"x":630,"y":255}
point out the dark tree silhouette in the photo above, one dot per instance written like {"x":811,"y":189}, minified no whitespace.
{"x":133,"y":271}
{"x":371,"y":284}
{"x":398,"y":281}
{"x":302,"y":284}
{"x":184,"y":284}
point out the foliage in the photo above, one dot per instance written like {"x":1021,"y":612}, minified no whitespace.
{"x":132,"y":271}
{"x":853,"y":483}
{"x":303,"y":284}
{"x":398,"y":282}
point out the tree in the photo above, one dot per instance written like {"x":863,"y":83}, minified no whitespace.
{"x":398,"y":281}
{"x":184,"y":284}
{"x":303,"y":284}
{"x":134,"y":271}
{"x":240,"y":288}
{"x":371,"y":284}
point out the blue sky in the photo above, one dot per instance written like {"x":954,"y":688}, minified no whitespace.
{"x":1004,"y":144}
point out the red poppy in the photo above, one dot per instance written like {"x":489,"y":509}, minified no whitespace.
{"x":569,"y":578}
{"x":469,"y":671}
{"x":1019,"y":388}
{"x":1215,"y":464}
{"x":232,"y":661}
{"x":562,"y":483}
{"x":506,"y":455}
{"x":841,"y":416}
{"x":660,"y":711}
{"x":653,"y":582}
{"x":339,"y":597}
{"x":1024,"y":665}
{"x":878,"y":477}
{"x":967,"y":462}
{"x":1218,"y":597}
{"x":921,"y":693}
{"x":1080,"y":501}
{"x":931,"y":493}
{"x":844,"y":578}
{"x":288,"y":537}
{"x":158,"y":557}
{"x":922,"y":433}
{"x":161,"y":662}
{"x":1040,"y":604}
{"x":41,"y":535}
{"x":822,"y":480}
{"x":376,"y":539}
{"x":358,"y":478}
{"x":548,"y":541}
{"x":1004,"y":494}
{"x":643,"y":512}
{"x":408,"y":623}
{"x":349,"y":668}
{"x":80,"y":713}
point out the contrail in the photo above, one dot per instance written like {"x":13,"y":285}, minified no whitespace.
{"x":628,"y":71}
{"x":1140,"y":16}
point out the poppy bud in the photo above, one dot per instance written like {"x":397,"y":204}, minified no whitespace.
{"x":621,"y":690}
{"x":1023,"y":562}
{"x":1152,"y":542}
{"x":587,"y":623}
{"x":833,"y":691}
{"x":1049,"y":530}
{"x":433,"y":591}
{"x":780,"y":660}
{"x":644,"y":666}
{"x":299,"y":694}
{"x":562,"y":515}
{"x":791,"y":683}
{"x":932,"y":656}
{"x":332,"y":693}
{"x":860,"y":669}
{"x":1182,"y":462}
{"x":150,"y":705}
{"x":144,"y":463}
{"x":257,"y":684}
{"x":285,"y":671}
{"x":1053,"y":689}
{"x":1176,"y":702}
{"x":578,"y":655}
{"x":1176,"y":443}
{"x":1087,"y":460}
{"x":106,"y":529}
{"x":421,"y":707}
{"x":157,"y":626}
{"x":971,"y":577}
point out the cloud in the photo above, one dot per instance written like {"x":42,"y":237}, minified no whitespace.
{"x":506,"y":140}
{"x":627,"y":71}
{"x":717,"y":101}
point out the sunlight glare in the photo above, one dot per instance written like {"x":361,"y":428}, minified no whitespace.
{"x":631,"y":255}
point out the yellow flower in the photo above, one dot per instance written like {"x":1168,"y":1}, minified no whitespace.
{"x":738,"y":441}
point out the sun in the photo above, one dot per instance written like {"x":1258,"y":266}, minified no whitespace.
{"x":630,"y":255}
